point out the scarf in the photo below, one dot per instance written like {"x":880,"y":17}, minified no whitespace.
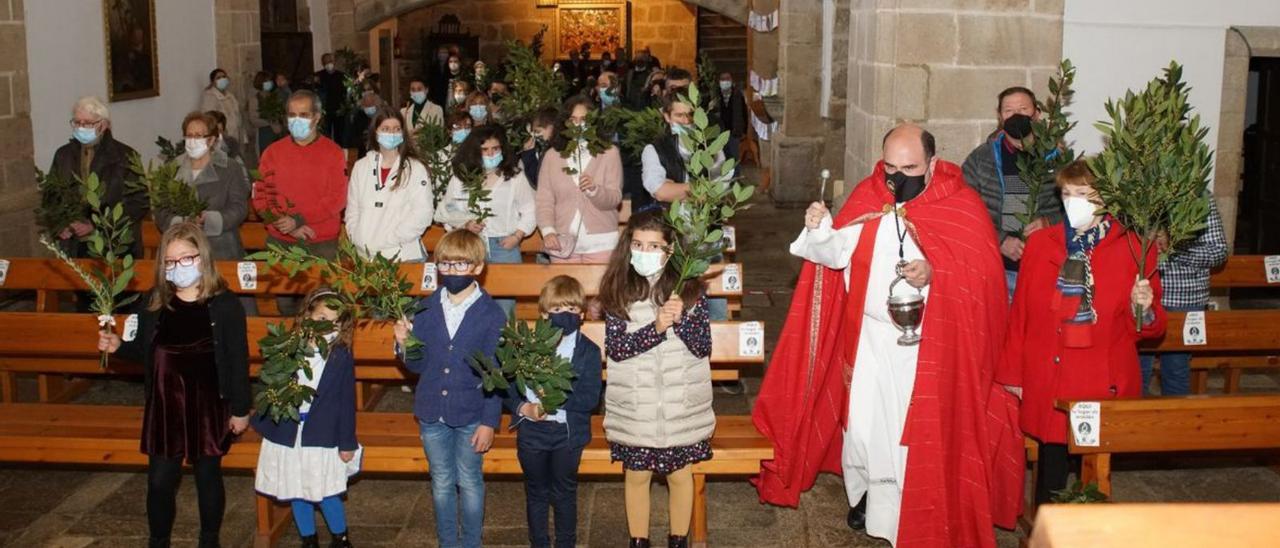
{"x":1075,"y":280}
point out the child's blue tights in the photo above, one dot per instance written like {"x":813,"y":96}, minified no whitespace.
{"x":304,"y":515}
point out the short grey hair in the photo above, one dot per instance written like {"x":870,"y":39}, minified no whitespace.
{"x":92,"y":105}
{"x":309,"y":96}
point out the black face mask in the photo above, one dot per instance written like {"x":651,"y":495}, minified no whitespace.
{"x":905,"y":187}
{"x":455,"y":283}
{"x":1018,"y":126}
{"x":568,"y":322}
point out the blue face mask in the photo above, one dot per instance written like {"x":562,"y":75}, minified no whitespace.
{"x":726,"y":85}
{"x":607,"y":98}
{"x":299,"y":128}
{"x":460,"y":135}
{"x":418,"y":97}
{"x":222,"y":83}
{"x":456,"y":283}
{"x":478,"y":112}
{"x":370,"y":111}
{"x":85,"y":135}
{"x":268,"y":86}
{"x":492,"y":162}
{"x":389,"y":141}
{"x":183,"y":277}
{"x":568,"y":322}
{"x":679,"y":129}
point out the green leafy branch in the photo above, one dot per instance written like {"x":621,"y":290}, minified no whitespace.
{"x":714,"y":197}
{"x":170,"y":150}
{"x":109,"y":243}
{"x":585,"y":138}
{"x":527,"y":355}
{"x":285,"y":352}
{"x":477,"y":195}
{"x":1079,"y":493}
{"x":1047,"y":150}
{"x":708,"y":79}
{"x":534,"y":86}
{"x":271,"y":107}
{"x":636,"y":128}
{"x":165,"y":190}
{"x":433,"y":142}
{"x":61,"y":202}
{"x":373,"y":283}
{"x":1153,"y":173}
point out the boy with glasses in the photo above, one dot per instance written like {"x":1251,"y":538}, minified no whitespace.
{"x":456,"y":417}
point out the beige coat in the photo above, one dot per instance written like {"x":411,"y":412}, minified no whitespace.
{"x":661,"y":398}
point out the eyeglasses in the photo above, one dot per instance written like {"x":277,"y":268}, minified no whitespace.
{"x":170,"y":264}
{"x":454,"y":266}
{"x":84,"y":123}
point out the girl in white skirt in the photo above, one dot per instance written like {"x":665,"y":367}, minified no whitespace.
{"x":307,"y":463}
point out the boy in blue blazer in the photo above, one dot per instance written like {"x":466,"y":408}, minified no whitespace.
{"x":456,"y":417}
{"x":550,"y":446}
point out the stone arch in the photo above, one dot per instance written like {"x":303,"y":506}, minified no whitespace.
{"x":369,"y":13}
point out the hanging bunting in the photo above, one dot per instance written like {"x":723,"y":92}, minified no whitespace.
{"x":763,"y":22}
{"x":761,"y":121}
{"x":764,"y":48}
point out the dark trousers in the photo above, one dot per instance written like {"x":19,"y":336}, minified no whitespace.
{"x":550,"y":467}
{"x":1053,"y":469}
{"x":163,"y":476}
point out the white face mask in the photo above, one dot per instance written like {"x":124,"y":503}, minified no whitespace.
{"x":197,"y":148}
{"x":1080,"y":211}
{"x":648,"y":263}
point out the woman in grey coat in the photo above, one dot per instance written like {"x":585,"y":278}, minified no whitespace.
{"x":220,"y":181}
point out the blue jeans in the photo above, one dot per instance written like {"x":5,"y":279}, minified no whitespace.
{"x":456,"y":476}
{"x":1175,"y":367}
{"x":1011,"y":280}
{"x":501,"y":255}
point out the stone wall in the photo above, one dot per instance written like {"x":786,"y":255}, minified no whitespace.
{"x":239,"y":42}
{"x":941,"y":63}
{"x":18,"y":194}
{"x":343,"y":32}
{"x":669,"y":28}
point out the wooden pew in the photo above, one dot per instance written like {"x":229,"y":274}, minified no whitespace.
{"x":107,"y":436}
{"x":519,"y":281}
{"x":29,"y":347}
{"x":1176,"y":423}
{"x":1238,"y":272}
{"x":1169,"y":525}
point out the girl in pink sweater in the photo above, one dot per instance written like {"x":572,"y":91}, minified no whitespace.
{"x":579,"y":192}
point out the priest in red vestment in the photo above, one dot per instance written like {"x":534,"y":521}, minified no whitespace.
{"x":927,"y":442}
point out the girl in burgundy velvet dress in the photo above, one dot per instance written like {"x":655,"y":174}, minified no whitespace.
{"x":193,"y":346}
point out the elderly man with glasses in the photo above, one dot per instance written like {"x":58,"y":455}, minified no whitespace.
{"x":92,"y":149}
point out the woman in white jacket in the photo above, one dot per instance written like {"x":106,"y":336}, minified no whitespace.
{"x":389,"y":201}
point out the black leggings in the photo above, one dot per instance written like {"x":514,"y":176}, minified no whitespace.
{"x":163,"y":476}
{"x":1053,"y":469}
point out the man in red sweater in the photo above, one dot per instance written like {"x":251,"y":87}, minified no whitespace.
{"x":304,"y":183}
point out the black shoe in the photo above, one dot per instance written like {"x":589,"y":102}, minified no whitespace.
{"x":209,"y":540}
{"x":340,"y":540}
{"x":638,"y":543}
{"x":857,"y":519}
{"x":677,"y":541}
{"x":310,"y":541}
{"x":154,"y":542}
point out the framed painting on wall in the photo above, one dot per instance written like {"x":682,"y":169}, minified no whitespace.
{"x":129,"y":27}
{"x":602,"y":25}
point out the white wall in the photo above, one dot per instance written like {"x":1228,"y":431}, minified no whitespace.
{"x":1121,"y":45}
{"x":320,"y":42}
{"x":66,"y":59}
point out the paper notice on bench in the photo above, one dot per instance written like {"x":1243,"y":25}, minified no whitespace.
{"x":731,"y":278}
{"x":730,"y":239}
{"x":1085,"y":422}
{"x":1272,"y":264}
{"x":1194,"y":332}
{"x":130,"y":328}
{"x":750,"y":339}
{"x":4,"y":271}
{"x":428,"y":276}
{"x":247,"y":272}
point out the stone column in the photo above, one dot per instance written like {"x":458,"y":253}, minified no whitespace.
{"x":239,"y":51}
{"x":941,"y":63}
{"x":18,"y":194}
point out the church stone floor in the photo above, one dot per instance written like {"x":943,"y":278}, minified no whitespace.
{"x":79,"y":508}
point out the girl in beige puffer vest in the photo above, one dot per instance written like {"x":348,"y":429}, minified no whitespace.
{"x":658,"y":415}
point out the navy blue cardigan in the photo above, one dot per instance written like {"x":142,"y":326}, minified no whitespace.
{"x":449,"y":390}
{"x":582,"y":400}
{"x":331,"y":422}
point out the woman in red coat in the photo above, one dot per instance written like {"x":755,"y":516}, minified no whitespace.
{"x":1072,"y":334}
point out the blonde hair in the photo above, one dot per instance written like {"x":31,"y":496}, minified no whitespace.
{"x":561,"y":290}
{"x":462,"y":245}
{"x":211,"y":283}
